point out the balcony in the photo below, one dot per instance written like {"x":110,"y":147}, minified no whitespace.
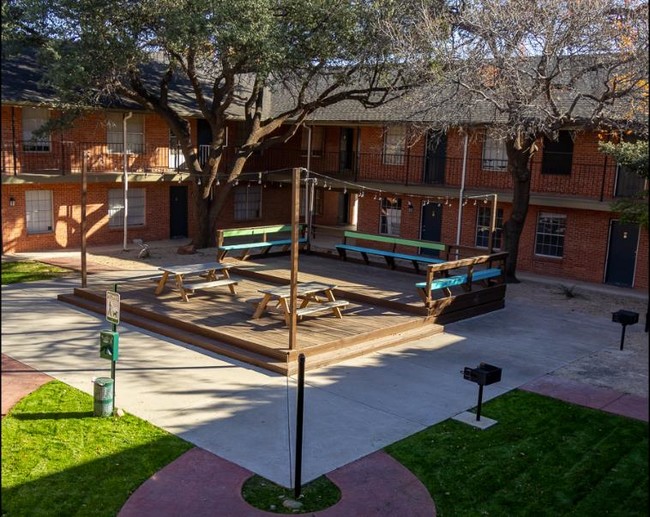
{"x":598,"y":180}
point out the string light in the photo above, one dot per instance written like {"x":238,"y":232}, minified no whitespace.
{"x":259,"y":178}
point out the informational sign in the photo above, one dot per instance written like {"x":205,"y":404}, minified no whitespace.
{"x":113,"y":307}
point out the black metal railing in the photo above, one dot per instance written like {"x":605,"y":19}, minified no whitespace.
{"x":598,"y":179}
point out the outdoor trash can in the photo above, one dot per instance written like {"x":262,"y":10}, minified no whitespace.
{"x":103,"y":396}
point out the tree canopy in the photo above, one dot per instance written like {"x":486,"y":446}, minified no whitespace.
{"x":525,"y":70}
{"x":226,"y":56}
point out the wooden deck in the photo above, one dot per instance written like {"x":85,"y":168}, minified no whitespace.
{"x":384,"y":310}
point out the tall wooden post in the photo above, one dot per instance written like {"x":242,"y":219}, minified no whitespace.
{"x":84,"y":189}
{"x":295,"y":224}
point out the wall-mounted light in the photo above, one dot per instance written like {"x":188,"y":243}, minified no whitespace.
{"x":410,"y":207}
{"x":12,"y":201}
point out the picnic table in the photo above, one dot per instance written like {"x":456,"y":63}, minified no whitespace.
{"x":314,"y":297}
{"x":209,"y":270}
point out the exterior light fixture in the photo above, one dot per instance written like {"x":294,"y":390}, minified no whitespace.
{"x":12,"y":201}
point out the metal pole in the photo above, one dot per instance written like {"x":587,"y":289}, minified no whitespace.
{"x":462,"y":192}
{"x":113,"y":361}
{"x":480,"y":401}
{"x":126,"y":181}
{"x":84,"y":188}
{"x":622,"y":337}
{"x":295,"y":222}
{"x":299,"y":423}
{"x":493,"y":225}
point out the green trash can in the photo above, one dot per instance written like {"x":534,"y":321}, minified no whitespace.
{"x":103,"y":391}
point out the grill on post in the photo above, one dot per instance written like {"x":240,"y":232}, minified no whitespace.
{"x":483,"y":375}
{"x":625,"y":318}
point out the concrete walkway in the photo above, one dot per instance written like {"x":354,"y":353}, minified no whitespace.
{"x":241,"y":419}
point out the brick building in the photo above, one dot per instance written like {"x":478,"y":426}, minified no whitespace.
{"x":370,"y":169}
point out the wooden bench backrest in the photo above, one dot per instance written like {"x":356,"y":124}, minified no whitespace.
{"x":394,"y":240}
{"x":432,"y":269}
{"x":254,"y":230}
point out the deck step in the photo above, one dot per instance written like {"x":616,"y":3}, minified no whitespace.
{"x":213,"y":345}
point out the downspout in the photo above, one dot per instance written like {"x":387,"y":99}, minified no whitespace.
{"x":462,"y":190}
{"x":307,"y":205}
{"x":126,"y":179}
{"x":13,"y":140}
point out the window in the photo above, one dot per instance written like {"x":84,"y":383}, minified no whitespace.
{"x":34,"y":119}
{"x":317,"y":133}
{"x":558,"y":154}
{"x":136,"y":198}
{"x":134,"y":133}
{"x":394,"y":145}
{"x":390,"y":216}
{"x":494,"y":154}
{"x":248,"y":202}
{"x":549,"y":239}
{"x":483,"y":222}
{"x":628,"y":182}
{"x":38,"y":210}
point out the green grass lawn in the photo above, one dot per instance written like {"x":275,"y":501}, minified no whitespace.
{"x":544,"y":457}
{"x":29,"y":271}
{"x":59,"y":460}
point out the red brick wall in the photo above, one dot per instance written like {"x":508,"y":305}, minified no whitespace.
{"x":67,"y":217}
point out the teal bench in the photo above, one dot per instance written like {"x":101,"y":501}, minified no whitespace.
{"x":439,"y":277}
{"x":390,"y":254}
{"x":256,"y":237}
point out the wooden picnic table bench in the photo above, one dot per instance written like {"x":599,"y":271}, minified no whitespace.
{"x":209,"y":270}
{"x":393,"y":253}
{"x":263,"y":237}
{"x":314,"y":297}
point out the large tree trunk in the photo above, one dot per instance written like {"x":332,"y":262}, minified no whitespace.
{"x":518,"y":165}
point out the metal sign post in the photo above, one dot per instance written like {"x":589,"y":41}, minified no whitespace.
{"x":112,"y":316}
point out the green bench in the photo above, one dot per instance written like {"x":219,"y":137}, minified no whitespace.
{"x":465,"y":272}
{"x":392,"y":253}
{"x":256,"y":237}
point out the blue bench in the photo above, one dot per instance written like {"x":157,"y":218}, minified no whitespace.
{"x":390,"y":254}
{"x":263,"y":236}
{"x":439,"y":277}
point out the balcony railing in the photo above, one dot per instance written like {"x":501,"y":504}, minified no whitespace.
{"x":594,"y":180}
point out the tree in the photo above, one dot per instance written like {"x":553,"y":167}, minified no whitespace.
{"x":529,"y":69}
{"x":226,"y":56}
{"x":634,"y":157}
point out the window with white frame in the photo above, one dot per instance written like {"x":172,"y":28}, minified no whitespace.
{"x":38,"y":211}
{"x":136,"y":207}
{"x":483,"y":224}
{"x":34,"y":119}
{"x":248,"y":202}
{"x":394,"y":145}
{"x":134,"y":133}
{"x":317,"y":133}
{"x":390,"y":216}
{"x":549,"y":238}
{"x":494,"y":154}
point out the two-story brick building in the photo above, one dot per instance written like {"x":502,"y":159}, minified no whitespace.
{"x":372,"y":169}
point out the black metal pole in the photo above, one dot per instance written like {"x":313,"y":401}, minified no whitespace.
{"x":113,"y":361}
{"x":299,"y":420}
{"x":480,"y":401}
{"x":622,"y":337}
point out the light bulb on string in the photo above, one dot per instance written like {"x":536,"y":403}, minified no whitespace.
{"x":485,"y":201}
{"x":259,"y":178}
{"x":475,"y":202}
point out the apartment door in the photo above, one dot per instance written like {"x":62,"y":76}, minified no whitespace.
{"x":346,"y":149}
{"x":177,"y":212}
{"x":431,"y":229}
{"x":621,"y":255}
{"x":434,"y":163}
